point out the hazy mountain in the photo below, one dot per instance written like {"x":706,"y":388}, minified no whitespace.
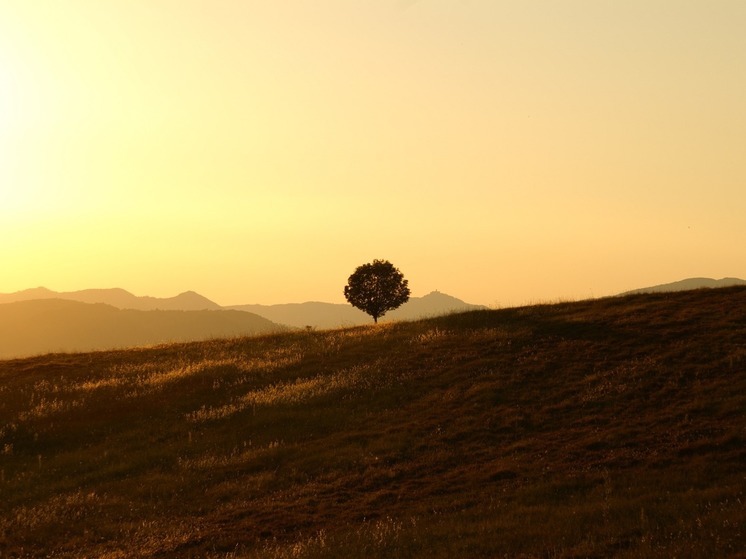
{"x":119,"y":298}
{"x":686,"y":284}
{"x":40,"y":320}
{"x":52,"y":325}
{"x":331,"y":315}
{"x":300,"y":315}
{"x":432,"y":304}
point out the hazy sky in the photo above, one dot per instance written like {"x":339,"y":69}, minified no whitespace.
{"x":257,"y":151}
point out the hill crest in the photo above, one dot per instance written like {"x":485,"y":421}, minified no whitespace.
{"x":687,"y":284}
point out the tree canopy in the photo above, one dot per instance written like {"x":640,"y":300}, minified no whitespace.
{"x":376,"y":288}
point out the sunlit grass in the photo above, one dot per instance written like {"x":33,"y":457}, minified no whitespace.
{"x":298,"y":391}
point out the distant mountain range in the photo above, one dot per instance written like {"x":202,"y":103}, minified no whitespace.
{"x":118,"y":298}
{"x":686,"y":284}
{"x":39,"y":320}
{"x":299,"y":315}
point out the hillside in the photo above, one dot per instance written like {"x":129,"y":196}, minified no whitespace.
{"x":604,"y":428}
{"x":55,"y":325}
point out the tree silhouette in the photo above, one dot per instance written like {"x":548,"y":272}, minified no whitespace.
{"x":377,"y":288}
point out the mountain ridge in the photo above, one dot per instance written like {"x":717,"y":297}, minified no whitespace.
{"x":299,"y":315}
{"x":118,"y":298}
{"x":687,"y":284}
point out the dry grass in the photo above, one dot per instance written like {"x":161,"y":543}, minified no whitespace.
{"x":600,"y":428}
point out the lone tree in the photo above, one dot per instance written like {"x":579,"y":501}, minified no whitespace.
{"x":377,"y":288}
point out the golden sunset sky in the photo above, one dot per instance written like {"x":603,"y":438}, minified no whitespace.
{"x":257,"y":151}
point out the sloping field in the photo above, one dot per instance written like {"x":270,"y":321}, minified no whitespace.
{"x":614,"y":427}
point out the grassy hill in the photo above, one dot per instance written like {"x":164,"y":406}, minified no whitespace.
{"x":613,"y":427}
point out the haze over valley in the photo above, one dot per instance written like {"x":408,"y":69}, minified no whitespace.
{"x":40,"y":320}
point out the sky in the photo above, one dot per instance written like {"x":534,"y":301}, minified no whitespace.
{"x":504,"y":152}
